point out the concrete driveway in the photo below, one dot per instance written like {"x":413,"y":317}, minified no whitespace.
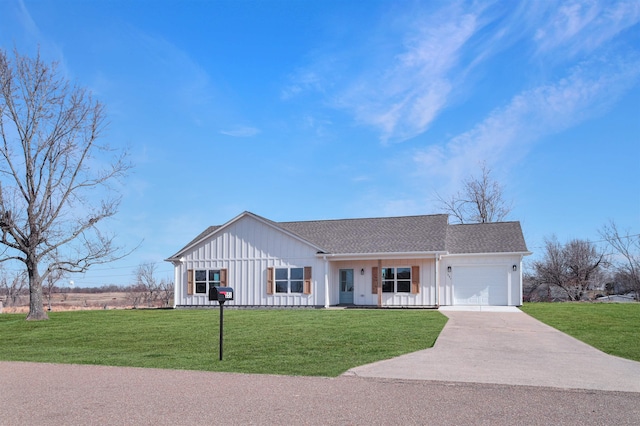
{"x":511,"y":348}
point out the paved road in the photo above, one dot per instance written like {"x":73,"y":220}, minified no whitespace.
{"x":474,"y":375}
{"x":53,"y":394}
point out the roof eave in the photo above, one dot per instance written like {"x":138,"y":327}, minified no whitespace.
{"x":382,"y":255}
{"x":497,"y":253}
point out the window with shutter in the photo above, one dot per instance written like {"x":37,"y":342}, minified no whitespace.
{"x":403,"y":279}
{"x":203,"y":279}
{"x":289,"y":280}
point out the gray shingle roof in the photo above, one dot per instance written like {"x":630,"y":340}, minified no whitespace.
{"x":495,"y":237}
{"x":374,"y":235}
{"x":403,"y":234}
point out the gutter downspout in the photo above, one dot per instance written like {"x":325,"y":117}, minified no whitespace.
{"x":326,"y":282}
{"x":521,"y":283}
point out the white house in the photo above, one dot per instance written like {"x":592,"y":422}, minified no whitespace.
{"x":409,"y":261}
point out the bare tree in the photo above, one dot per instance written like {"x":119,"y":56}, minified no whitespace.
{"x":50,"y":284}
{"x":13,"y":287}
{"x":166,"y":291}
{"x":147,"y":282}
{"x":134,"y":296}
{"x":573,"y":267}
{"x":480,"y":201}
{"x":626,"y":255}
{"x":52,"y":171}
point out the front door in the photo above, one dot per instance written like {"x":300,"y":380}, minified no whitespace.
{"x":346,"y":286}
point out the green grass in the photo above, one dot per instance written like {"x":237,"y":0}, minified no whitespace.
{"x":613,"y":328}
{"x":292,"y":342}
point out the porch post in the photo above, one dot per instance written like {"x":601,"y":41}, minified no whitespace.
{"x":437,"y":279}
{"x":379,"y":283}
{"x":326,"y":282}
{"x":177,"y":281}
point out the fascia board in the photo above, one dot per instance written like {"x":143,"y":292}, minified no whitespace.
{"x":501,"y":253}
{"x":376,"y":256}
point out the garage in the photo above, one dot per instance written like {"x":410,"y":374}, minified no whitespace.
{"x":480,"y":285}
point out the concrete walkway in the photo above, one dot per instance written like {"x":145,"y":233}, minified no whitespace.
{"x":509,"y":347}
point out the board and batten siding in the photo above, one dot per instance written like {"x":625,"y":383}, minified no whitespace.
{"x":246,"y":248}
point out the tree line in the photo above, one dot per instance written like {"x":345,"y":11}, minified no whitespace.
{"x":146,"y":289}
{"x":582,"y":270}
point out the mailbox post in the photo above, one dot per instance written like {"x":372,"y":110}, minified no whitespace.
{"x":221,"y":294}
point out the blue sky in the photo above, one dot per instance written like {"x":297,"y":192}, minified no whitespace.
{"x":301,"y":110}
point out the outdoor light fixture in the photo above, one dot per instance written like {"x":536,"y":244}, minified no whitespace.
{"x":362,"y":271}
{"x":448,"y":268}
{"x":515,"y":268}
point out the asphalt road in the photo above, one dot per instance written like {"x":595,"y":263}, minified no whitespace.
{"x":54,"y":394}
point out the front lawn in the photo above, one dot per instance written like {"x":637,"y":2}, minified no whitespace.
{"x":613,"y":328}
{"x":293,"y":342}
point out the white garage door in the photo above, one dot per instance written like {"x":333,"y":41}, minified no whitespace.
{"x":480,"y":285}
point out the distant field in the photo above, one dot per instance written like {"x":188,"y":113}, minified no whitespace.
{"x":613,"y":328}
{"x":314,"y":342}
{"x":77,"y":301}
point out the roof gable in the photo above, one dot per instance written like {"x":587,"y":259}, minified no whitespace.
{"x":211,"y":231}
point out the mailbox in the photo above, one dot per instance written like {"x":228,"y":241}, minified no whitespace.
{"x":220,"y":294}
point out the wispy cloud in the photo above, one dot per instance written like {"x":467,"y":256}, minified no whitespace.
{"x":396,"y":88}
{"x":36,"y":40}
{"x":400,"y":89}
{"x":583,"y":26}
{"x":241,"y":132}
{"x":505,"y":135}
{"x":302,"y":80}
{"x":409,"y":94}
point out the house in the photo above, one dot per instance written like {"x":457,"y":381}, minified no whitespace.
{"x":409,"y":261}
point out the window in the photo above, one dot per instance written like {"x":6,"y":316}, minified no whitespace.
{"x":205,"y":279}
{"x":289,"y":280}
{"x":396,"y":280}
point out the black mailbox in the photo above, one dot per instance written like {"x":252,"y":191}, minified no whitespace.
{"x":220,"y":294}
